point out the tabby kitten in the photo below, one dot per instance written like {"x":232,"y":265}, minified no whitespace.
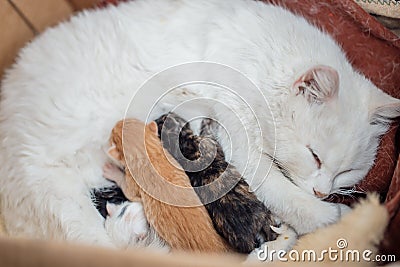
{"x":238,"y":216}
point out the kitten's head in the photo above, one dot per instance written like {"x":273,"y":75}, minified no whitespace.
{"x":172,"y":123}
{"x":329,"y":127}
{"x":126,"y":224}
{"x":174,"y":131}
{"x":131,"y":133}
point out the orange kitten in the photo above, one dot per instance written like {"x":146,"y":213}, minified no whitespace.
{"x":154,"y":176}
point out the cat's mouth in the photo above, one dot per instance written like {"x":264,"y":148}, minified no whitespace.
{"x":320,"y":195}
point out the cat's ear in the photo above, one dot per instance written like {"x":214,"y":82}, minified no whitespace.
{"x":111,"y":208}
{"x":153,"y":127}
{"x":318,"y":85}
{"x":383,"y":108}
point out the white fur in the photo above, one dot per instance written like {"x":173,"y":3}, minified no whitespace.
{"x":72,"y":83}
{"x":127,"y":226}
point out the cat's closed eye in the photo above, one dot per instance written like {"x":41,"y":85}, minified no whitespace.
{"x":343,"y":172}
{"x":316,"y":158}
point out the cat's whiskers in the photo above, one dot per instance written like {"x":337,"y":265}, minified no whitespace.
{"x":279,"y":165}
{"x":348,"y":192}
{"x":345,"y":192}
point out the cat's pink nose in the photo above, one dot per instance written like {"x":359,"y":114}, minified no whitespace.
{"x":319,"y":194}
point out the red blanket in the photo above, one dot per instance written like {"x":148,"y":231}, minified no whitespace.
{"x":374,"y":51}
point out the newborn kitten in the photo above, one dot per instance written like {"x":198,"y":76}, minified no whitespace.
{"x":102,"y":196}
{"x":151,"y":174}
{"x":238,"y":216}
{"x":127,"y":226}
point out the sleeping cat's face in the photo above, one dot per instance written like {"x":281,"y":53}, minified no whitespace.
{"x":328,"y":134}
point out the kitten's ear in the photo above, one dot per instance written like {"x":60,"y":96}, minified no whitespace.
{"x":113,"y":153}
{"x":111,"y":208}
{"x":319,"y":84}
{"x":153,"y":127}
{"x":383,"y":108}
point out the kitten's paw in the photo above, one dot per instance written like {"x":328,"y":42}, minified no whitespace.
{"x":284,"y":242}
{"x":286,"y":239}
{"x":112,"y":173}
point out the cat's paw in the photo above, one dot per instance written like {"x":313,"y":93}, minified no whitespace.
{"x":284,"y":242}
{"x":315,"y":216}
{"x":112,"y":173}
{"x":344,"y":209}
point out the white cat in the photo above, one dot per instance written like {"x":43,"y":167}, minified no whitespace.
{"x":127,"y":226}
{"x":72,"y":83}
